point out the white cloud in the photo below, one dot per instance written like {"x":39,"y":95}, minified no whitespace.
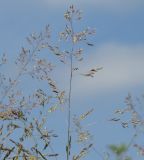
{"x":122,"y":68}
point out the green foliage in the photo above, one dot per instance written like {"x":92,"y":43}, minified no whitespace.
{"x":118,"y":149}
{"x":128,"y":158}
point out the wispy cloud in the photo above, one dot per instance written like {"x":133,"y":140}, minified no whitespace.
{"x":122,"y":68}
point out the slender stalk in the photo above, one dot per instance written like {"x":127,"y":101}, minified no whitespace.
{"x":70,"y":94}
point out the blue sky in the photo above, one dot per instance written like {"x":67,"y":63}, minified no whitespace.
{"x":119,"y":49}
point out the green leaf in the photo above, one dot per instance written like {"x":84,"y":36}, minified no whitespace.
{"x":118,"y":149}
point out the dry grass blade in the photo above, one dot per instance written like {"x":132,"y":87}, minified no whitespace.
{"x":11,"y":114}
{"x":83,"y":116}
{"x":20,"y":147}
{"x":8,"y":153}
{"x":82,"y":153}
{"x":92,"y":72}
{"x":38,"y":152}
{"x":115,"y":119}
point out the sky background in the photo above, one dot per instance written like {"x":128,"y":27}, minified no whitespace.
{"x":118,"y":48}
